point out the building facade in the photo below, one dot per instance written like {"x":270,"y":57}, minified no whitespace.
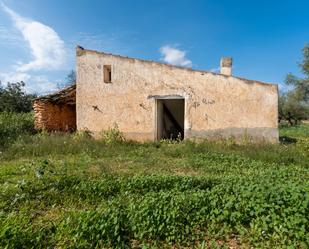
{"x":151,"y":101}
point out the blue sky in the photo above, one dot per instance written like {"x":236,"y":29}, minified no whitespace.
{"x":38,"y":38}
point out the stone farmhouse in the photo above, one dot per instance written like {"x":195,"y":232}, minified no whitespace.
{"x":148,"y":100}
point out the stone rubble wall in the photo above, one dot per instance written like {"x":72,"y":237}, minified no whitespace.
{"x":54,"y":117}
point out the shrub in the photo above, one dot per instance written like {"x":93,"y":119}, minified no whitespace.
{"x":13,"y":98}
{"x":113,"y":135}
{"x":14,"y":125}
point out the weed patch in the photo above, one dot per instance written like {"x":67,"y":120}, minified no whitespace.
{"x":71,"y":191}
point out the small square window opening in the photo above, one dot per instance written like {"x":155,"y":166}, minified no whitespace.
{"x":107,"y":74}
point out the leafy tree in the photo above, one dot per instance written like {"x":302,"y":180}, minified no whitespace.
{"x":13,"y":98}
{"x":294,"y":104}
{"x":291,"y":109}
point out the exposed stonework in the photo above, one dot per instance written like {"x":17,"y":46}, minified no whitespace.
{"x":216,"y":105}
{"x":56,"y":112}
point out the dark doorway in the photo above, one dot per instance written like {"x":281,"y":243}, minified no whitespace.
{"x":170,"y":118}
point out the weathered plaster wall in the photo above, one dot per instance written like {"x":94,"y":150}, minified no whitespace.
{"x":54,"y":117}
{"x":216,"y":106}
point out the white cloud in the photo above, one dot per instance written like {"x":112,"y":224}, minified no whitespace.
{"x":46,"y":46}
{"x":41,"y":85}
{"x":14,"y":77}
{"x":174,"y":56}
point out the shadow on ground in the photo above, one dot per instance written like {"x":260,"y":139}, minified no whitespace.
{"x":287,"y":140}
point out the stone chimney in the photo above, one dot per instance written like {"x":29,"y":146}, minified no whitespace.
{"x":226,"y":66}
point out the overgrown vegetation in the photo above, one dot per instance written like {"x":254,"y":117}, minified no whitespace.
{"x":14,"y":125}
{"x":113,"y":135}
{"x":70,"y":191}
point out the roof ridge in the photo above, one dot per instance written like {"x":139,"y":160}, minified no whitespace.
{"x":80,"y":51}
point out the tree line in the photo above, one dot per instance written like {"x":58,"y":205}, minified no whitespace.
{"x":293,"y":103}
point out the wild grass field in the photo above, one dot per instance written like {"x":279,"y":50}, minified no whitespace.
{"x":70,"y":191}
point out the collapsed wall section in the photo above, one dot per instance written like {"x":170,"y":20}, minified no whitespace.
{"x":56,"y":112}
{"x":54,"y":117}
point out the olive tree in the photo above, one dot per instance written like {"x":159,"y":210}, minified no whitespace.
{"x":294,"y":104}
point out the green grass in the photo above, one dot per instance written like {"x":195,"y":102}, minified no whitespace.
{"x":69,"y":191}
{"x":300,"y":131}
